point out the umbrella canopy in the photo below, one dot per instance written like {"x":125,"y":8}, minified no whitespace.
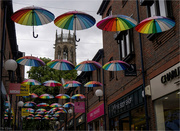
{"x":155,"y":24}
{"x":30,"y":82}
{"x":45,"y":118}
{"x":72,"y":84}
{"x":54,"y":118}
{"x":74,"y":20}
{"x":116,"y":65}
{"x":62,"y":96}
{"x":68,"y":104}
{"x":33,"y":95}
{"x":88,"y":66}
{"x":116,"y":23}
{"x":55,"y":105}
{"x":29,"y":118}
{"x":47,"y":115}
{"x":76,"y":96}
{"x":30,"y":110}
{"x":32,"y":16}
{"x":29,"y":104}
{"x":37,"y":118}
{"x":46,"y":96}
{"x":42,"y":105}
{"x":93,"y":84}
{"x":52,"y":83}
{"x":60,"y":64}
{"x":30,"y":61}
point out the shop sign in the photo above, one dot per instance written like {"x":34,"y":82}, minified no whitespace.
{"x":79,"y":107}
{"x":14,"y":88}
{"x":24,"y":90}
{"x":126,"y":103}
{"x":24,"y":112}
{"x":99,"y":111}
{"x":170,"y":75}
{"x":131,"y":71}
{"x":80,"y":120}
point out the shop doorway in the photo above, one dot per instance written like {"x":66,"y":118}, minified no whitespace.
{"x":124,"y":124}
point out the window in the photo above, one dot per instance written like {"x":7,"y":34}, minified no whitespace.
{"x":109,"y":12}
{"x":159,"y":8}
{"x":111,"y":73}
{"x":65,"y":53}
{"x":59,"y":53}
{"x":98,"y":75}
{"x":125,"y":42}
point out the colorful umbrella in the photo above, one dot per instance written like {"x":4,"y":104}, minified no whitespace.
{"x":38,"y":115}
{"x":7,"y":104}
{"x":29,"y":104}
{"x":31,"y":115}
{"x":60,"y":64}
{"x":30,"y":82}
{"x":55,"y":105}
{"x":93,"y":84}
{"x":52,"y":83}
{"x":54,"y":118}
{"x":30,"y":110}
{"x":76,"y":96}
{"x":37,"y":118}
{"x":32,"y":16}
{"x":47,"y":115}
{"x":42,"y":105}
{"x":30,"y":61}
{"x":88,"y":66}
{"x":46,"y":96}
{"x":68,"y":104}
{"x":29,"y":118}
{"x":155,"y":24}
{"x":33,"y":95}
{"x":72,"y":84}
{"x":62,"y":96}
{"x":74,"y":20}
{"x":45,"y":118}
{"x":116,"y":23}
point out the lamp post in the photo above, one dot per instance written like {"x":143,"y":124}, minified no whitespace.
{"x":99,"y":93}
{"x":20,"y":105}
{"x":10,"y":65}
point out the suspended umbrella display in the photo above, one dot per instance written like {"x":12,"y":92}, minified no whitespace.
{"x":116,"y":65}
{"x":155,"y":24}
{"x":88,"y":66}
{"x":93,"y":84}
{"x":33,"y":95}
{"x":42,"y":105}
{"x":59,"y":64}
{"x":59,"y":112}
{"x":52,"y":83}
{"x":54,"y":118}
{"x":30,"y":61}
{"x":29,"y":118}
{"x":72,"y":84}
{"x":55,"y":105}
{"x":29,"y":104}
{"x":47,"y":115}
{"x":56,"y":115}
{"x":7,"y":104}
{"x":6,"y":118}
{"x":75,"y":20}
{"x":37,"y":118}
{"x":30,"y":110}
{"x":62,"y":110}
{"x":30,"y":115}
{"x":68,"y":104}
{"x":78,"y":96}
{"x":62,"y":96}
{"x":45,"y":118}
{"x":30,"y":82}
{"x":46,"y":96}
{"x":32,"y":16}
{"x":38,"y":115}
{"x":116,"y":23}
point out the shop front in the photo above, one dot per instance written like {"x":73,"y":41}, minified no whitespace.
{"x":128,"y":113}
{"x":95,"y":119}
{"x":80,"y":123}
{"x":165,"y":95}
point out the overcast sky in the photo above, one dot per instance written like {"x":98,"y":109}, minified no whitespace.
{"x":91,"y":38}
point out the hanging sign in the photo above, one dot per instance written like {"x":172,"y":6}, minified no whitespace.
{"x":131,"y":71}
{"x":14,"y":88}
{"x":24,"y":90}
{"x":79,"y":107}
{"x":24,"y":112}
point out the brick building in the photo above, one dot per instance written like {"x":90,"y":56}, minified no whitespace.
{"x":127,"y":107}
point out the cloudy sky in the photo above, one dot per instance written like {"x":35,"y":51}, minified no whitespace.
{"x":91,"y":39}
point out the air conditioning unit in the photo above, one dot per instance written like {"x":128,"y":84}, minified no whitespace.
{"x":146,"y":2}
{"x":148,"y":90}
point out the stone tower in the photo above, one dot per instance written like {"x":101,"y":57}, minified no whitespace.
{"x":65,"y":47}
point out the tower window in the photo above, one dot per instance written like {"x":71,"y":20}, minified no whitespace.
{"x":65,"y":54}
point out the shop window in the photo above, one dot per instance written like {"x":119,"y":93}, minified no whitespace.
{"x":126,"y":47}
{"x":111,"y":73}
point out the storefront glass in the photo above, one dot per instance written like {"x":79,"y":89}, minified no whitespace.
{"x":167,"y":112}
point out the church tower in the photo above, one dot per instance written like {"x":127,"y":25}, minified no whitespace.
{"x":65,"y":47}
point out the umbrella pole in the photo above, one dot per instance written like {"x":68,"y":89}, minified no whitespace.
{"x":33,"y":24}
{"x":34,"y":34}
{"x":75,"y":30}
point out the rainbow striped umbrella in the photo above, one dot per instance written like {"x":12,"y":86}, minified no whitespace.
{"x":116,"y":65}
{"x":76,"y":96}
{"x":30,"y":110}
{"x":29,"y":104}
{"x":46,"y":96}
{"x":72,"y":84}
{"x":38,"y":115}
{"x":30,"y":82}
{"x":42,"y":105}
{"x":55,"y":105}
{"x":37,"y":118}
{"x":32,"y":16}
{"x":155,"y":24}
{"x":116,"y":23}
{"x":6,"y":118}
{"x":31,"y":115}
{"x":30,"y":61}
{"x":29,"y":118}
{"x":62,"y":96}
{"x":88,"y":66}
{"x":45,"y":118}
{"x":47,"y":115}
{"x":60,"y":64}
{"x":93,"y":84}
{"x":59,"y":112}
{"x":54,"y":118}
{"x":68,"y":104}
{"x":33,"y":95}
{"x":74,"y":20}
{"x":52,"y":83}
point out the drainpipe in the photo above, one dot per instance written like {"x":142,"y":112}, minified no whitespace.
{"x":143,"y":72}
{"x":2,"y":58}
